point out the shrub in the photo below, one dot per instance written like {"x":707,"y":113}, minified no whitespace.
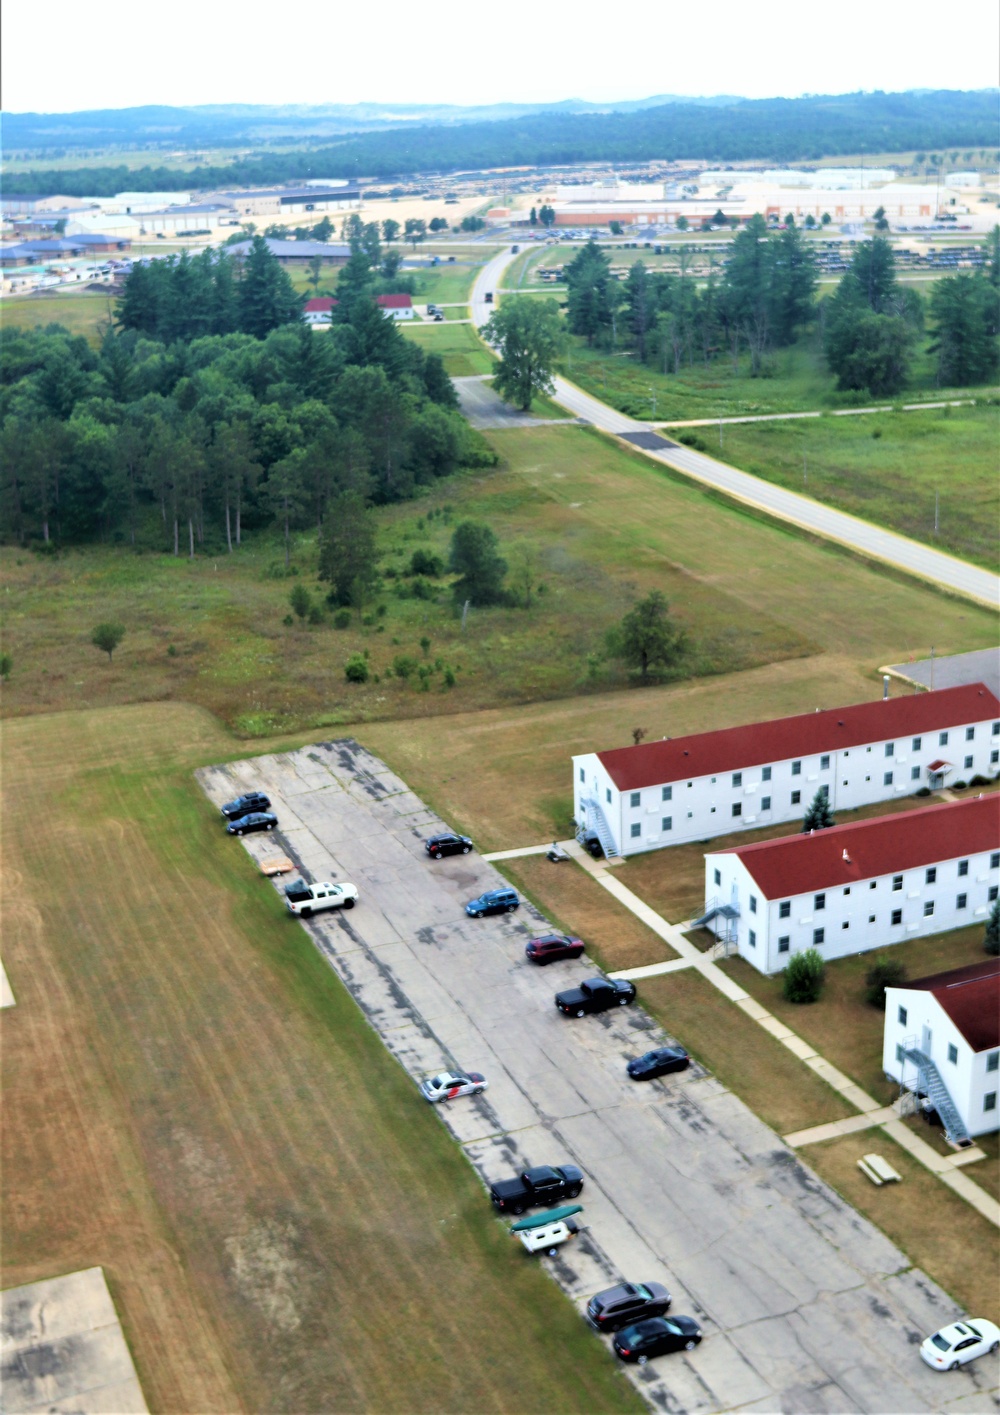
{"x":356,"y":669}
{"x":288,"y":621}
{"x":421,"y":588}
{"x":425,"y":644}
{"x":301,"y":600}
{"x":991,"y":939}
{"x":342,"y":619}
{"x":978,"y":780}
{"x":107,"y":637}
{"x":922,"y":791}
{"x":424,"y":562}
{"x":958,"y":785}
{"x":403,"y":665}
{"x":315,"y":614}
{"x":6,"y":664}
{"x":691,"y":439}
{"x":171,"y":650}
{"x":803,"y":977}
{"x":449,"y":678}
{"x":884,"y":973}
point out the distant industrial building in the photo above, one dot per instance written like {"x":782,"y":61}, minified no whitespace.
{"x":291,"y":201}
{"x":296,"y":253}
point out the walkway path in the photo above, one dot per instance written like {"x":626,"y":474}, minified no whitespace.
{"x":946,"y":1167}
{"x":860,"y":536}
{"x":822,"y":413}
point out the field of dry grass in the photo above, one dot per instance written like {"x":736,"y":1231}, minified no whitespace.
{"x":194,"y":1102}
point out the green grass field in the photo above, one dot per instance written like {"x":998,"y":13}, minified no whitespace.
{"x":194,"y":1102}
{"x":458,"y":344}
{"x":83,"y":312}
{"x":888,"y":469}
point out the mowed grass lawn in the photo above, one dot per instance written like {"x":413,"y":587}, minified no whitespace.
{"x":85,"y":312}
{"x":460,"y":347}
{"x":194,"y":1102}
{"x":889,"y":468}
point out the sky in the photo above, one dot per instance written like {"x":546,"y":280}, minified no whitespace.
{"x":64,"y":58}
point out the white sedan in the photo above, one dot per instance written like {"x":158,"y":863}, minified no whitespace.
{"x":450,"y":1084}
{"x":952,"y":1346}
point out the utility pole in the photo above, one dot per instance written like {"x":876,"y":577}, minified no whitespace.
{"x":720,"y":433}
{"x":465,"y":614}
{"x":653,"y":391}
{"x":937,"y":521}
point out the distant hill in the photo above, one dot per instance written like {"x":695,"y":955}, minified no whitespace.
{"x":400,"y":142}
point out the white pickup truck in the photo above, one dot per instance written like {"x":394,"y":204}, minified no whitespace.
{"x":306,"y":899}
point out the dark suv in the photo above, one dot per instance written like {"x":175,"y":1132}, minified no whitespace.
{"x":243,"y":805}
{"x":552,"y":946}
{"x":494,"y":901}
{"x":616,"y":1307}
{"x":439,"y":845}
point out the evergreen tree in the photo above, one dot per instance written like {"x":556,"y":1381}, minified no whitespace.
{"x":475,"y":557}
{"x":266,"y":297}
{"x":991,"y":939}
{"x":964,"y":310}
{"x":818,"y":816}
{"x":348,"y":558}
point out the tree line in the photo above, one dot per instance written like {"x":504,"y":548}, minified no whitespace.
{"x":210,"y":408}
{"x":765,"y":130}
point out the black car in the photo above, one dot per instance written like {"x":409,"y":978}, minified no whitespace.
{"x":494,"y":901}
{"x":552,"y":946}
{"x":595,"y":995}
{"x":621,"y":1306}
{"x":243,"y":805}
{"x":658,"y":1063}
{"x":655,"y":1337}
{"x":439,"y":845}
{"x":257,"y":820}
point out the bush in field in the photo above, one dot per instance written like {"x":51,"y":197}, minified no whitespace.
{"x":107,"y":637}
{"x":803,"y":977}
{"x":884,"y":973}
{"x":356,"y":669}
{"x":991,"y":939}
{"x":425,"y":562}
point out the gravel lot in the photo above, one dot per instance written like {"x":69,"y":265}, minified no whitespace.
{"x":805,"y":1305}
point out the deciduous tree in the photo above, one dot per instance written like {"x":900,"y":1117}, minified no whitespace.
{"x":475,"y":557}
{"x":528,"y":336}
{"x":646,"y":639}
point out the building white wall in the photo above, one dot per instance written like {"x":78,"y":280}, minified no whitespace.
{"x":703,"y":806}
{"x":913,"y":1014}
{"x":853,"y":918}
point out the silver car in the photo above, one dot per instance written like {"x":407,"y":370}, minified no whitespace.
{"x":449,"y":1084}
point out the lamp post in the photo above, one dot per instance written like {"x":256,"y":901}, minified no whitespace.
{"x":653,"y":391}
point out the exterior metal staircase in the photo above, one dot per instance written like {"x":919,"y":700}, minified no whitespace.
{"x":596,"y":825}
{"x":728,"y":913}
{"x":931,"y":1083}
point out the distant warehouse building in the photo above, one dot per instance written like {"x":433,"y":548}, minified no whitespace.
{"x":292,"y":201}
{"x":712,"y":783}
{"x":295,"y":253}
{"x":855,"y":887}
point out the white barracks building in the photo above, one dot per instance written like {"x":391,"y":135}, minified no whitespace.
{"x":854,"y":887}
{"x":712,"y":783}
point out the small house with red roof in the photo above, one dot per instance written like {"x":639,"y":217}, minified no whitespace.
{"x":680,"y":789}
{"x":319,"y":310}
{"x":942,"y":1042}
{"x":856,"y":887}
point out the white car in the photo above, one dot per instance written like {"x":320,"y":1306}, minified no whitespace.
{"x":307,"y":899}
{"x":952,"y":1346}
{"x":449,"y":1084}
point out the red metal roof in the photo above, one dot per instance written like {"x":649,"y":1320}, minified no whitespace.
{"x":394,"y":302}
{"x":320,"y":304}
{"x":847,"y":854}
{"x":732,"y":748}
{"x":971,"y":998}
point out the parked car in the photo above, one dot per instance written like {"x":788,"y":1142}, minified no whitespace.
{"x":595,"y":995}
{"x":494,"y":901}
{"x":244,"y":805}
{"x":534,"y":1188}
{"x":655,"y":1337}
{"x":439,"y":845}
{"x":276,"y":865}
{"x":629,"y":1302}
{"x":488,"y":297}
{"x":450,"y":1084}
{"x":308,"y":899}
{"x":256,"y":820}
{"x":658,"y":1063}
{"x":960,"y":1342}
{"x":551,"y":947}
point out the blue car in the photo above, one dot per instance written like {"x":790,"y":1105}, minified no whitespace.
{"x":494,"y":901}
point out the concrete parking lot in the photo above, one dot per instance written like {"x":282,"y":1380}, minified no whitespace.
{"x":805,"y":1305}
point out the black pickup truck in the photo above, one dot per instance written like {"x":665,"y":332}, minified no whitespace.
{"x":536,"y":1188}
{"x":595,"y":995}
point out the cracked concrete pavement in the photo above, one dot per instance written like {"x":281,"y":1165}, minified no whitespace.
{"x":806,"y":1306}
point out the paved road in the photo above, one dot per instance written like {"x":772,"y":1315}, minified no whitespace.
{"x":867,"y":539}
{"x":486,"y":409}
{"x":805,"y":1305}
{"x":979,"y":666}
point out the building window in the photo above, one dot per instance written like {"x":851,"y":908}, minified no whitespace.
{"x":824,"y":791}
{"x":635,"y":798}
{"x":824,"y":763}
{"x":901,"y":1016}
{"x":582,"y":777}
{"x":796,"y":768}
{"x":690,"y":784}
{"x":914,"y":773}
{"x":717,"y":874}
{"x":765,"y":774}
{"x":953,"y":1054}
{"x":667,"y":794}
{"x":737,"y":778}
{"x":847,"y":889}
{"x":930,"y":875}
{"x":899,"y":1052}
{"x":928,"y":908}
{"x":607,"y":793}
{"x":871,"y":918}
{"x":636,"y":830}
{"x":765,"y":803}
{"x":996,"y":729}
{"x":737,"y":808}
{"x":990,"y":1100}
{"x":992,"y":893}
{"x":942,"y":739}
{"x":784,"y":943}
{"x":897,"y":883}
{"x":961,"y":900}
{"x":994,"y":757}
{"x":796,"y":797}
{"x":845,"y":925}
{"x":993,"y":1061}
{"x":819,"y":935}
{"x":968,"y":763}
{"x":753,"y":903}
{"x":667,"y":823}
{"x":785,"y":909}
{"x":963,"y":868}
{"x":995,"y":860}
{"x":752,"y":938}
{"x":897,"y":916}
{"x":917,"y":743}
{"x":819,"y":901}
{"x":873,"y":884}
{"x":970,"y":734}
{"x":887,"y":778}
{"x":890,"y":748}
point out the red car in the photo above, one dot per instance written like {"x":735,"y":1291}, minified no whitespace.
{"x":552,"y":946}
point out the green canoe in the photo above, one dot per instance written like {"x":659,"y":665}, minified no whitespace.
{"x":550,"y":1216}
